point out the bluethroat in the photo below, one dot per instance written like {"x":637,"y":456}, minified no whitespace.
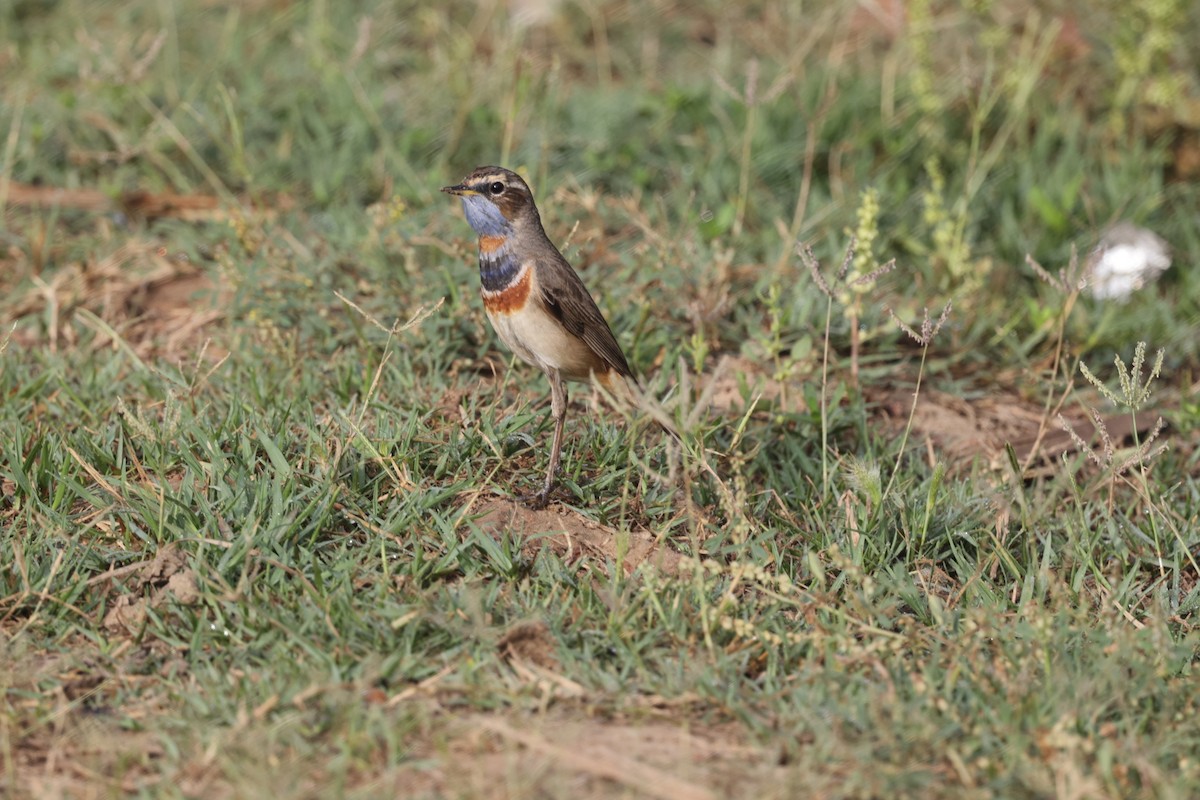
{"x":534,"y":298}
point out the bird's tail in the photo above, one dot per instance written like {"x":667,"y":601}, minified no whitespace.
{"x":627,"y":392}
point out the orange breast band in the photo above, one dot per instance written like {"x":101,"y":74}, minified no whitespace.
{"x":512,"y":298}
{"x":490,"y":244}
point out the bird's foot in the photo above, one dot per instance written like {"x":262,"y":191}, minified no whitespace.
{"x":537,"y":501}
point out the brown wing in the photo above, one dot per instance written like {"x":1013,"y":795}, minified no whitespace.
{"x":568,"y":300}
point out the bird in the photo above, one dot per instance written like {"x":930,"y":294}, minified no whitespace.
{"x":535,"y":299}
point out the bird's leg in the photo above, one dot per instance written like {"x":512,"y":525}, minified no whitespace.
{"x":558,"y":409}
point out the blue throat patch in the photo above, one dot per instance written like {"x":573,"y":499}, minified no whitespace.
{"x":498,"y":268}
{"x":484,"y":216}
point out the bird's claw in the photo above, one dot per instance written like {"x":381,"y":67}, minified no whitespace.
{"x":537,"y":501}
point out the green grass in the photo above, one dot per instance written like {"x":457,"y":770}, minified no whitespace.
{"x":253,"y":538}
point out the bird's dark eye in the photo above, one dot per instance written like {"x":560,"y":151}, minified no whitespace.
{"x":496,"y":188}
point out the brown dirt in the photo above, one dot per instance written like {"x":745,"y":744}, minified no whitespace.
{"x":572,"y":536}
{"x":568,"y":752}
{"x":723,"y":387}
{"x":964,"y":432}
{"x":152,"y":584}
{"x":975,"y":431}
{"x":154,"y":302}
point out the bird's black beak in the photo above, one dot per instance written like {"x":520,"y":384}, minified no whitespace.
{"x":459,"y":189}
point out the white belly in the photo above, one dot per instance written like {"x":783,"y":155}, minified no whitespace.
{"x":539,"y":339}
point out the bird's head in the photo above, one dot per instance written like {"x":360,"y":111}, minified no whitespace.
{"x":495,"y":200}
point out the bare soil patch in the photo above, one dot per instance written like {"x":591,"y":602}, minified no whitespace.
{"x":571,"y":753}
{"x":572,"y":536}
{"x":964,"y":431}
{"x":977,"y":430}
{"x":157,"y":303}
